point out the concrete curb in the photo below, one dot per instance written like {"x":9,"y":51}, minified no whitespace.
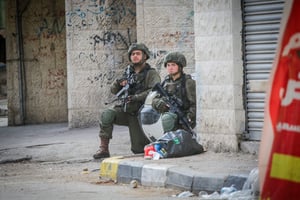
{"x":170,"y":176}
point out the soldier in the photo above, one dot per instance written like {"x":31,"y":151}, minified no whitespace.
{"x":183,"y":87}
{"x":144,"y":78}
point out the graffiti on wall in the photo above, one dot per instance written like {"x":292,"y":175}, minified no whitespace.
{"x":50,"y":27}
{"x":104,"y":78}
{"x":115,"y":38}
{"x":88,"y":56}
{"x":94,"y":11}
{"x":179,"y":38}
{"x":158,"y":57}
{"x":107,"y":22}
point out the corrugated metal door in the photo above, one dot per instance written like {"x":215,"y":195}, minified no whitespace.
{"x":261,"y":23}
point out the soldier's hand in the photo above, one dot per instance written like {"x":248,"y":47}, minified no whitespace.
{"x":123,"y":82}
{"x":160,"y":105}
{"x":131,"y":98}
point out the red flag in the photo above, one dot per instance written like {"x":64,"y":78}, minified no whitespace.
{"x":279,"y":156}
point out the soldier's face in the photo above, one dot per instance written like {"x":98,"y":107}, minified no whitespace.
{"x":136,"y":56}
{"x":172,"y":68}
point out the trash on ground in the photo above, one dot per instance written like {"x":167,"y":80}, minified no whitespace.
{"x":134,"y":184}
{"x":184,"y":194}
{"x":252,"y":182}
{"x":85,"y":171}
{"x":228,"y":190}
{"x":105,"y":181}
{"x":250,"y":190}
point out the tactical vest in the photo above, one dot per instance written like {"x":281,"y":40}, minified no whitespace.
{"x":139,"y":81}
{"x":178,"y":88}
{"x":137,"y":87}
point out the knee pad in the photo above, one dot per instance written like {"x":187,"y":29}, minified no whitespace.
{"x":107,"y":117}
{"x":169,"y":121}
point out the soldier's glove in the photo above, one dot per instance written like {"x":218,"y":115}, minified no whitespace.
{"x":131,"y":98}
{"x":160,"y":105}
{"x":122,"y":81}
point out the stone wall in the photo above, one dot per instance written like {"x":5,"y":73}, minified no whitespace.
{"x":44,"y":71}
{"x":219,"y":68}
{"x":75,"y":49}
{"x":166,"y":26}
{"x":98,"y":36}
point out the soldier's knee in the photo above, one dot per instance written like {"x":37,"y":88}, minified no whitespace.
{"x":107,"y":117}
{"x":169,"y":121}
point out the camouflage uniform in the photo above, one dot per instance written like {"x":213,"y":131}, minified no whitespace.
{"x":184,"y":88}
{"x":116,"y":115}
{"x":144,"y":81}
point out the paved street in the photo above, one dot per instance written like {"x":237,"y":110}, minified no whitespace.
{"x":53,"y":153}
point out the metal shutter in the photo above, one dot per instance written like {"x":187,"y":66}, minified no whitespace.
{"x":261,"y":23}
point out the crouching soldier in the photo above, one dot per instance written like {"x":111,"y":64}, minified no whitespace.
{"x":138,"y":82}
{"x":181,"y":86}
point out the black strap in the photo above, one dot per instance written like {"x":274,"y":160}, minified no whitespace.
{"x":183,"y":84}
{"x":140,"y":86}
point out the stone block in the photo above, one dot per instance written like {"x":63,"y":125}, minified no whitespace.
{"x":213,"y":23}
{"x":212,"y":5}
{"x":239,"y":121}
{"x":250,"y":147}
{"x":155,"y":175}
{"x":217,"y":142}
{"x":109,"y":167}
{"x":238,"y":97}
{"x":83,"y":117}
{"x":216,"y":97}
{"x":85,"y":41}
{"x":237,"y":49}
{"x":203,"y":182}
{"x":215,"y":72}
{"x":174,"y":38}
{"x":238,"y":78}
{"x":163,"y":16}
{"x":158,"y":3}
{"x":219,"y":121}
{"x":236,"y":180}
{"x":129,"y":170}
{"x":179,"y":178}
{"x":217,"y":48}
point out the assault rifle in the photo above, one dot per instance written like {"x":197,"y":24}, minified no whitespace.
{"x":174,"y":106}
{"x":123,"y":94}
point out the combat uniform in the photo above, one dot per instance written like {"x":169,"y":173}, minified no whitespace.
{"x":184,"y":89}
{"x":144,"y":81}
{"x":126,"y":114}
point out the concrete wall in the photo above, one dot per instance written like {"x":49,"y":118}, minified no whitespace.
{"x":98,"y":36}
{"x":44,"y":86}
{"x":166,"y":26}
{"x":94,"y":36}
{"x":219,"y":68}
{"x":208,"y":33}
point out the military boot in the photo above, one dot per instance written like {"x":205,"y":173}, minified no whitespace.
{"x":103,"y":151}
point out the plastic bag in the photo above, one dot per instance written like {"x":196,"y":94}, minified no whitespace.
{"x":176,"y":144}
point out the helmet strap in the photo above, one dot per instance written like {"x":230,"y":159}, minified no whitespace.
{"x":176,"y":75}
{"x":139,"y":66}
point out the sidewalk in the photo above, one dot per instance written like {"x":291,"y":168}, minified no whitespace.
{"x":208,"y":171}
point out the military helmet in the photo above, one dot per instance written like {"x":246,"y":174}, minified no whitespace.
{"x":139,"y":46}
{"x":175,"y":57}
